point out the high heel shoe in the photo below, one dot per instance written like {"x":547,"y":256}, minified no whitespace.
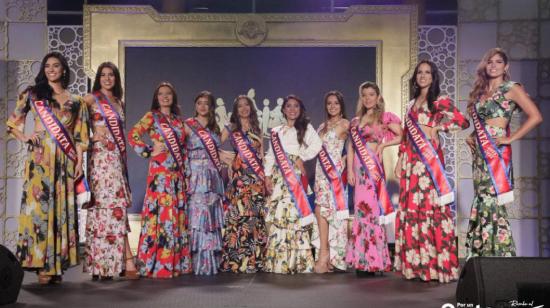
{"x":130,"y":275}
{"x":56,"y":279}
{"x":323,"y":263}
{"x":44,"y":279}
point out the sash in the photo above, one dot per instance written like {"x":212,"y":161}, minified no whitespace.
{"x":114,"y":124}
{"x":292,"y":181}
{"x":373,"y":168}
{"x":207,"y":141}
{"x":247,"y":152}
{"x":336,"y":184}
{"x":431,"y":160}
{"x":170,"y":138}
{"x":113,"y":120}
{"x":55,"y":129}
{"x":498,"y":160}
{"x":64,"y":141}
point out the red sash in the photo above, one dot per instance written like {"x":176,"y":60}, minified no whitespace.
{"x":64,"y":141}
{"x":207,"y":141}
{"x":336,"y":184}
{"x":248,"y":153}
{"x":431,"y":160}
{"x":373,"y":168}
{"x":292,"y":181}
{"x":170,"y":138}
{"x":113,"y":120}
{"x":498,"y":160}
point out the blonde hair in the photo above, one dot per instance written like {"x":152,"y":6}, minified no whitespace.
{"x":482,"y":80}
{"x":378,"y":109}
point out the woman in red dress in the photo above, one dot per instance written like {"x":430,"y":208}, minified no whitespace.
{"x":425,"y":245}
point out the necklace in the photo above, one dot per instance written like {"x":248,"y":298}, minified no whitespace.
{"x":333,"y":123}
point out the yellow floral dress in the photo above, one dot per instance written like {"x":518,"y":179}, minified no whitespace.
{"x":48,"y":230}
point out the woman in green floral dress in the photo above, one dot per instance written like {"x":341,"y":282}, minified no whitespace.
{"x":494,"y":98}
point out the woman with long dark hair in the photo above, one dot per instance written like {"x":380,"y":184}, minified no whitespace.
{"x":289,"y":211}
{"x":163,"y":249}
{"x":48,"y":231}
{"x":425,"y":245}
{"x":244,"y":237}
{"x":371,"y":132}
{"x":492,"y":102}
{"x":107,"y":250}
{"x":205,"y":189}
{"x":330,"y":232}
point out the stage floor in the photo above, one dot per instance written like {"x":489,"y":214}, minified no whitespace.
{"x":338,"y":290}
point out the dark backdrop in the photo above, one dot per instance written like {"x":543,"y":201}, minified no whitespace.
{"x":273,"y":72}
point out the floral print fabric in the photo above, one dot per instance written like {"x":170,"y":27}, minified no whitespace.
{"x":107,"y":222}
{"x":163,"y":248}
{"x":205,"y":207}
{"x":289,"y":245}
{"x":425,"y":244}
{"x":244,"y":237}
{"x":338,"y":228}
{"x":489,"y":231}
{"x":368,"y":248}
{"x":48,"y":231}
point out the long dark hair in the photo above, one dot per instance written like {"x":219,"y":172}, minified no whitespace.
{"x":211,"y":125}
{"x":174,"y":108}
{"x":235,"y":120}
{"x":117,"y":88}
{"x":41,"y":88}
{"x":340,"y":99}
{"x":433,"y":91}
{"x":302,"y":121}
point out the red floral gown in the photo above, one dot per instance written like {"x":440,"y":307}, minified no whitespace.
{"x":163,"y":249}
{"x":425,"y":245}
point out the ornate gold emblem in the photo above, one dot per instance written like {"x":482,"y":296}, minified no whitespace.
{"x":251,"y":30}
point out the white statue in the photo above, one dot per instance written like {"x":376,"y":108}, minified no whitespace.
{"x":276,"y":116}
{"x":265,"y":117}
{"x":252,"y":94}
{"x":221,"y":113}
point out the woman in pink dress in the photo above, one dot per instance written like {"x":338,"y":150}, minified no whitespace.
{"x":367,"y":247}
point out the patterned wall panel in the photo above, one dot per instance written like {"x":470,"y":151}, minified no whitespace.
{"x":477,"y":10}
{"x":26,"y":10}
{"x":519,"y":38}
{"x":22,"y":24}
{"x":3,"y":39}
{"x":439,"y":44}
{"x":68,"y":40}
{"x":544,"y":9}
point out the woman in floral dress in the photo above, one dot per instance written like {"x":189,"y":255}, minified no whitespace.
{"x":495,"y":98}
{"x":107,"y":249}
{"x":368,"y":248}
{"x":289,"y":245}
{"x":425,"y":245}
{"x":330,"y":232}
{"x":48,"y":231}
{"x":163,"y":249}
{"x":244,"y":237}
{"x":206,"y":189}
